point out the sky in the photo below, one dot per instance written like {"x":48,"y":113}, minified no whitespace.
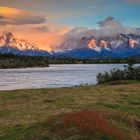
{"x":45,"y":21}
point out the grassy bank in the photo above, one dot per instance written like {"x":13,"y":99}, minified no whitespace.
{"x":39,"y":114}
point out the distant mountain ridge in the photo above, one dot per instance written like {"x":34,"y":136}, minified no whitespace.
{"x":121,"y":46}
{"x":12,"y":45}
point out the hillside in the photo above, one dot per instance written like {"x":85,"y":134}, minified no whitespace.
{"x":40,"y":114}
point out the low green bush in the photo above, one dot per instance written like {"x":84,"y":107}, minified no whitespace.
{"x":130,"y":72}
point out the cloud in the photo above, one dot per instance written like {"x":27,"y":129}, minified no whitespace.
{"x":110,"y":27}
{"x":1,"y":17}
{"x":45,"y":36}
{"x":43,"y":29}
{"x":110,"y":22}
{"x":14,"y":16}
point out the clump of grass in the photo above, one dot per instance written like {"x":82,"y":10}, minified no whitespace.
{"x":90,"y":123}
{"x":112,"y":106}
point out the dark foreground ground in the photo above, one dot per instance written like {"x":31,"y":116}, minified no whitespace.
{"x":102,"y":112}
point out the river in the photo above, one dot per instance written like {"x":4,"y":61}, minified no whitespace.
{"x":55,"y":76}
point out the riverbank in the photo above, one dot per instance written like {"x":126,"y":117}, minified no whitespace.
{"x":34,"y":114}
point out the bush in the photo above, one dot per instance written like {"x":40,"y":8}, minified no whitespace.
{"x":129,"y":73}
{"x":90,"y":123}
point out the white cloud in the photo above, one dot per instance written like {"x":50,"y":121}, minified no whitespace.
{"x":110,"y":27}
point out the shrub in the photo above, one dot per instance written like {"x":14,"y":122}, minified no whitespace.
{"x":91,"y":123}
{"x":129,"y":73}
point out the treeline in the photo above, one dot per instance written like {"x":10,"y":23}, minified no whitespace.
{"x":66,"y":60}
{"x":16,"y":61}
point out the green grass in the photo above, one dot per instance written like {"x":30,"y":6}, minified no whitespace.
{"x":26,"y":114}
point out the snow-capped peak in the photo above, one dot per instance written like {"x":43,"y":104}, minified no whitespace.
{"x":8,"y":39}
{"x":10,"y":44}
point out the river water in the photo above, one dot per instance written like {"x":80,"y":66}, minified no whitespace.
{"x":54,"y":76}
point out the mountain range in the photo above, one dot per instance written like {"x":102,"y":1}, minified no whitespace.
{"x":120,"y":46}
{"x":11,"y":45}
